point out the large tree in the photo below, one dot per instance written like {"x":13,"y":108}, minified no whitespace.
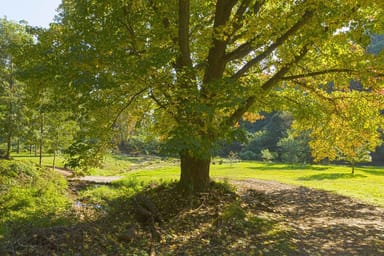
{"x":199,"y":66}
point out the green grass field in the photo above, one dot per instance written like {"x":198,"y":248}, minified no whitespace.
{"x":367,"y":184}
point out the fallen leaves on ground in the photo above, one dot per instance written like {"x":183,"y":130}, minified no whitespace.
{"x":258,"y":219}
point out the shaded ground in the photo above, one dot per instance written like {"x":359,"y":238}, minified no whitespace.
{"x":260,"y":218}
{"x":322,"y":223}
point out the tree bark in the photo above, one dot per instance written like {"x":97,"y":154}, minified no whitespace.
{"x":10,"y":113}
{"x":41,"y":139}
{"x":353,"y":166}
{"x":9,"y":144}
{"x":194,"y":175}
{"x":54,"y":160}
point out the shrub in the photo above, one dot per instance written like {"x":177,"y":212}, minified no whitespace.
{"x":268,"y":156}
{"x":247,"y":155}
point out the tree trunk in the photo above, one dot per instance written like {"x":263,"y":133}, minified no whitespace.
{"x":353,"y":167}
{"x":54,"y":160}
{"x":10,"y":113}
{"x":41,"y":139}
{"x":194,"y":175}
{"x":18,"y":146}
{"x":9,"y":145}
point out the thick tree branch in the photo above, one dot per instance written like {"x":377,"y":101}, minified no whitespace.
{"x":279,"y":41}
{"x":317,"y":73}
{"x":244,"y":49}
{"x":240,"y":52}
{"x":277,"y":76}
{"x":258,"y":5}
{"x":268,"y":85}
{"x":216,"y":65}
{"x":243,"y":9}
{"x":240,"y":13}
{"x":184,"y":59}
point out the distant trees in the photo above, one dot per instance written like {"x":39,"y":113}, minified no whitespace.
{"x":32,"y":114}
{"x":13,"y":38}
{"x":351,"y":132}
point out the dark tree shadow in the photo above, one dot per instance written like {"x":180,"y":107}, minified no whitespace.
{"x":325,"y":223}
{"x":373,"y":172}
{"x":267,"y":167}
{"x":331,"y":176}
{"x":297,"y":221}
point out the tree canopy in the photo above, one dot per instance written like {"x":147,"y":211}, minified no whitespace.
{"x":196,"y":68}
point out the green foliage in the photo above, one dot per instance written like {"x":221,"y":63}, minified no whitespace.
{"x":103,"y":195}
{"x":265,"y":134}
{"x":30,"y":196}
{"x":193,"y":70}
{"x":267,"y":155}
{"x":13,"y":40}
{"x":295,"y":149}
{"x":351,"y":133}
{"x":247,"y":155}
{"x":83,"y":154}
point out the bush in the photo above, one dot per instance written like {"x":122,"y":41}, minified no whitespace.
{"x":247,"y":155}
{"x":268,"y":156}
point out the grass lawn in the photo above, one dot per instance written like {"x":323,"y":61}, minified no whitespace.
{"x":367,"y":184}
{"x":46,"y":160}
{"x":113,"y":164}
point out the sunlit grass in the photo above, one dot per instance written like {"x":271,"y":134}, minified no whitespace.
{"x":366,"y":184}
{"x":46,"y":160}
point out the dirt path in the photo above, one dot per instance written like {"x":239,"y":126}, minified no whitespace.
{"x":322,"y":223}
{"x":90,"y":179}
{"x":97,"y":179}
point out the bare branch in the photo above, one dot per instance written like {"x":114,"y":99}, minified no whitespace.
{"x":161,"y":105}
